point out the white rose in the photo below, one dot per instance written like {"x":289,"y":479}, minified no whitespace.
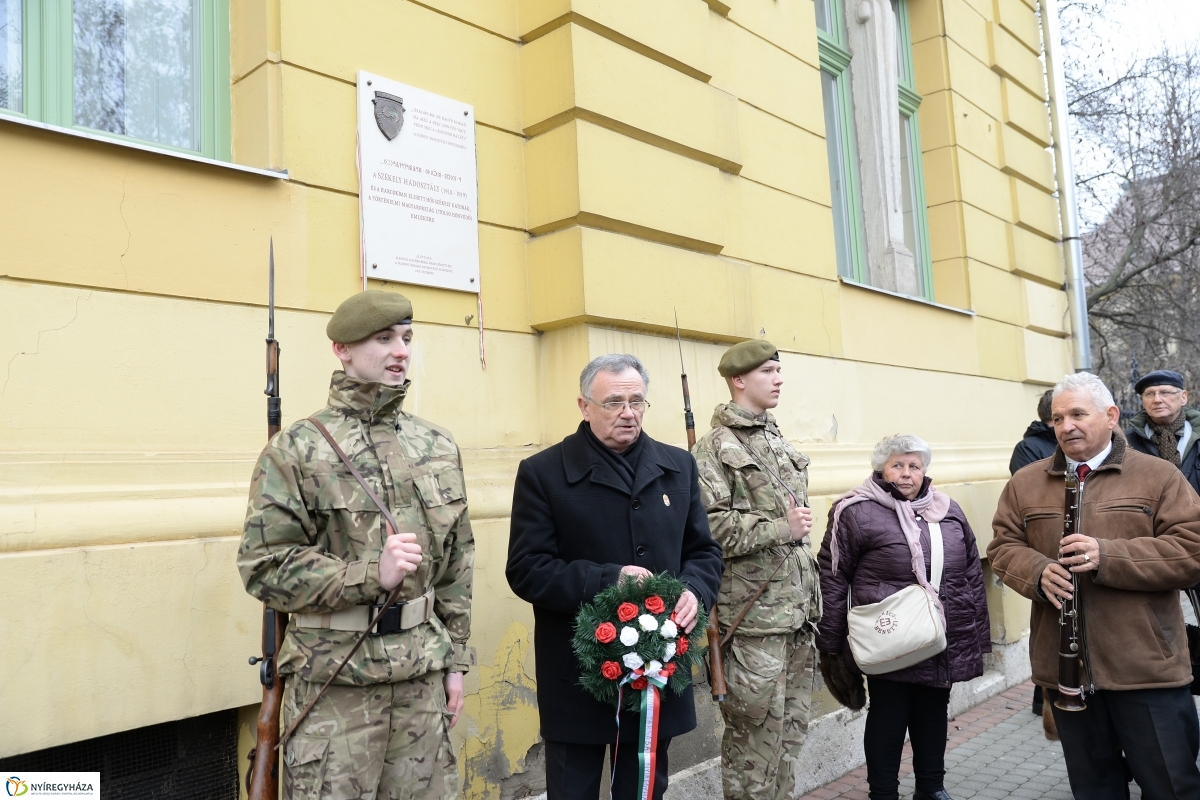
{"x":670,"y":651}
{"x":653,"y":668}
{"x":629,"y":636}
{"x":648,"y":622}
{"x":669,"y":630}
{"x":632,"y":660}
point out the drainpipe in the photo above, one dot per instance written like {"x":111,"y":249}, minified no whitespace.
{"x":1068,"y":208}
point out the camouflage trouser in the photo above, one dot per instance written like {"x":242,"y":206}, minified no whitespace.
{"x":386,"y":741}
{"x":767,"y":708}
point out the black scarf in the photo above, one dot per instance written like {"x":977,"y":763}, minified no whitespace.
{"x":624,"y":464}
{"x":1165,"y":438}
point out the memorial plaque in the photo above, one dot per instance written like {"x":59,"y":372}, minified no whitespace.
{"x":417,"y":188}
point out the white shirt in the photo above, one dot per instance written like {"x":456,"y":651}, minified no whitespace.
{"x":1092,"y":462}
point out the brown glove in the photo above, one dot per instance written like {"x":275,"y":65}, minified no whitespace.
{"x":846,"y":685}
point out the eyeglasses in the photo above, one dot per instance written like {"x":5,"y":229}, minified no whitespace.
{"x":1152,"y":394}
{"x":617,"y":406}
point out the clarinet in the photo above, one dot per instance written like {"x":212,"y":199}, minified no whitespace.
{"x":1070,"y":620}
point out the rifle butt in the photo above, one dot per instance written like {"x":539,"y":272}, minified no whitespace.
{"x":263,"y":776}
{"x":716,"y":662}
{"x":262,"y":782}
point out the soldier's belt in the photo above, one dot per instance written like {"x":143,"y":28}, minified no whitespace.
{"x":398,"y":617}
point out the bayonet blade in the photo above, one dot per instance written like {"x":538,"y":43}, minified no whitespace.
{"x":679,"y":341}
{"x":271,"y":294}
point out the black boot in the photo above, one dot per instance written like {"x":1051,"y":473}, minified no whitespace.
{"x":940,"y":794}
{"x":1037,"y":701}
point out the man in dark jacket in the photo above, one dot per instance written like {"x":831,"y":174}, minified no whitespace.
{"x":606,"y":501}
{"x":1166,"y":427}
{"x":1038,"y":442}
{"x":1138,"y":544}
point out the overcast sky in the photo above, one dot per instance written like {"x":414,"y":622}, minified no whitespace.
{"x":1139,"y":27}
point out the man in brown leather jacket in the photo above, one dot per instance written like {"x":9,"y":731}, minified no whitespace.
{"x":1138,"y":544}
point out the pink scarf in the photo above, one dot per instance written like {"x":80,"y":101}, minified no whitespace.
{"x":933,"y":506}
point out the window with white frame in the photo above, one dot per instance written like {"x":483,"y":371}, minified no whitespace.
{"x":840,"y":140}
{"x":875,"y":169}
{"x":153,"y":71}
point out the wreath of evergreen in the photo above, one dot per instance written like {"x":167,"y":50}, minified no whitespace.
{"x":630,"y":626}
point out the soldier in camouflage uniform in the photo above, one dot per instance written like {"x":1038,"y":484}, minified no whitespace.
{"x":315,"y":546}
{"x":755,"y":488}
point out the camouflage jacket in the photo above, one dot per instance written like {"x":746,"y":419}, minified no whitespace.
{"x":747,"y":512}
{"x":312,"y":538}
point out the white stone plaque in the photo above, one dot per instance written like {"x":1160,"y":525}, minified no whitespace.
{"x":417,"y":188}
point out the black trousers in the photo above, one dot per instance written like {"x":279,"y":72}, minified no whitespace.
{"x":573,"y":771}
{"x":895,"y":708}
{"x":1157,"y":729}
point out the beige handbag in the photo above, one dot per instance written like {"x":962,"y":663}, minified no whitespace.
{"x":903,"y":629}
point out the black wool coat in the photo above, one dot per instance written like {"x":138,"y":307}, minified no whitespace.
{"x":575,"y":523}
{"x":1038,"y":443}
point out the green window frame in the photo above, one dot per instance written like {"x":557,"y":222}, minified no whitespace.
{"x":840,"y":141}
{"x":48,"y":75}
{"x":913,"y":172}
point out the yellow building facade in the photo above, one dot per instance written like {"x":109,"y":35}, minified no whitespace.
{"x":637,"y":159}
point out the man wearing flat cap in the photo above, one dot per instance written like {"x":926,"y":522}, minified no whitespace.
{"x":316,"y":545}
{"x":754,"y":485}
{"x":1166,"y":427}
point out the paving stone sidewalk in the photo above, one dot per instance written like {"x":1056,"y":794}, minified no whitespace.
{"x":996,"y":750}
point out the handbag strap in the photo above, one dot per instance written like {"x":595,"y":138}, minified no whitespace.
{"x":937,"y":555}
{"x":937,"y":562}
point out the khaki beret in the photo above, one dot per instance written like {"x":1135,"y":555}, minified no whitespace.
{"x":746,"y":356}
{"x":368,"y":312}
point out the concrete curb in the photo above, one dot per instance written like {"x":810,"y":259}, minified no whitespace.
{"x":834,"y":744}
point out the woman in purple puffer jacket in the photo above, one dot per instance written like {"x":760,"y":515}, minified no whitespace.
{"x":866,"y":551}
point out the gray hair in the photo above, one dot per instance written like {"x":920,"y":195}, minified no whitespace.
{"x":615,"y":363}
{"x":1086,"y":382}
{"x":899,"y":443}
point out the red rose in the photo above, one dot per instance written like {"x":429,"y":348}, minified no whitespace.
{"x":626,"y":612}
{"x":681,"y":645}
{"x":639,"y":684}
{"x":611,"y":670}
{"x":668,"y":669}
{"x":655,"y":604}
{"x":606,"y":632}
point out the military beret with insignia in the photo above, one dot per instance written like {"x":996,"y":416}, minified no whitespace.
{"x":746,"y":356}
{"x":368,"y":312}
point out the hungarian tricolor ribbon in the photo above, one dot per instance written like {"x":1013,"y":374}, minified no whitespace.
{"x":648,"y":713}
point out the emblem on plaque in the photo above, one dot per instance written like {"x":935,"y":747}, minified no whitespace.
{"x":389,"y":114}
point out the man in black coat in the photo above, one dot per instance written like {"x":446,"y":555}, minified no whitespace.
{"x":1038,"y":442}
{"x":1167,"y":427}
{"x":606,"y":501}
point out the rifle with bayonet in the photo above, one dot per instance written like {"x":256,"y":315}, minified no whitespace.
{"x":716,"y":662}
{"x":262,"y":778}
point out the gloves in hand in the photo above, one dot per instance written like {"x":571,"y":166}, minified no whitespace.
{"x":846,"y":685}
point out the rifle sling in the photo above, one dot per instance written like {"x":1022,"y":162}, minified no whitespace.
{"x":787,"y":556}
{"x":392,"y":597}
{"x":733,"y":626}
{"x":387,"y":514}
